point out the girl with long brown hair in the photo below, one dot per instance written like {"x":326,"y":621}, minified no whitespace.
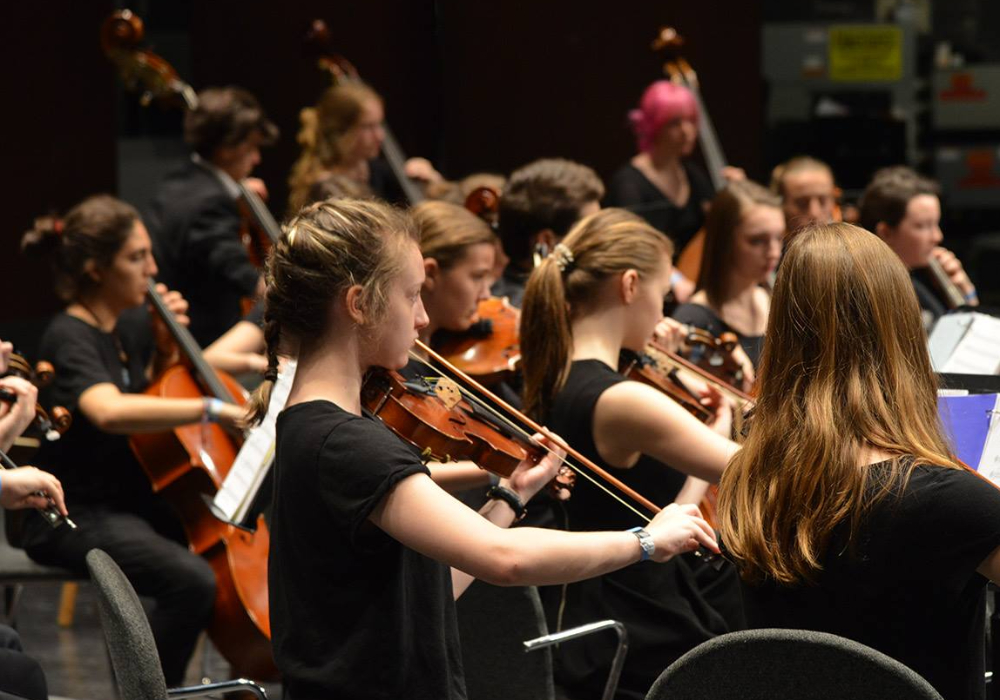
{"x":367,"y":553}
{"x":845,"y":511}
{"x":744,"y":233}
{"x":601,"y":292}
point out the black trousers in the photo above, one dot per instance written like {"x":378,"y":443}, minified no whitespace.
{"x":149,"y":546}
{"x":20,"y":675}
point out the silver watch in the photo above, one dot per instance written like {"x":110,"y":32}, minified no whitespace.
{"x":645,"y":541}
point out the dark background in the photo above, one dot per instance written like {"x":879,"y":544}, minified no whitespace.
{"x":473,"y":86}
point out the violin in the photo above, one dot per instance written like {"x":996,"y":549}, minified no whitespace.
{"x":645,"y":368}
{"x":484,"y":202}
{"x":489,"y":349}
{"x":318,"y":44}
{"x":141,"y":69}
{"x":187,"y":465}
{"x":50,"y":425}
{"x":717,"y":354}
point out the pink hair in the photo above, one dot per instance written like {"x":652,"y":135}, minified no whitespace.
{"x":662,"y":102}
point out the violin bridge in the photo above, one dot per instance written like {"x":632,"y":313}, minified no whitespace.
{"x":448,"y":391}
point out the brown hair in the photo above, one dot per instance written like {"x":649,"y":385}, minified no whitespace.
{"x":844,"y":368}
{"x":226,"y":116}
{"x":798,"y":164}
{"x":545,"y":194}
{"x":729,"y":207}
{"x":95,"y":229}
{"x":329,"y":247}
{"x":888,"y":194}
{"x":321,"y":135}
{"x":607,"y":243}
{"x":446,"y":230}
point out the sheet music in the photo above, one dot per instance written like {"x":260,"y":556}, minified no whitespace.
{"x":255,"y":457}
{"x":989,"y":464}
{"x":978,"y":352}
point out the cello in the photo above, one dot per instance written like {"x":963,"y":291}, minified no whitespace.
{"x":187,"y":466}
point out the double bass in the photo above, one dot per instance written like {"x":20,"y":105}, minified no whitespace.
{"x":318,"y":44}
{"x":678,"y":70}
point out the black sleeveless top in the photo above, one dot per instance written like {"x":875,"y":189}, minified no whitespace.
{"x":668,"y":608}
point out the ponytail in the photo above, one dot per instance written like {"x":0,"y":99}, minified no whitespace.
{"x":546,"y":337}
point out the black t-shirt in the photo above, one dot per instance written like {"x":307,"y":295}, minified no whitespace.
{"x":667,"y":608}
{"x":354,"y":613}
{"x":931,"y":307}
{"x":632,"y":190}
{"x":93,"y":466}
{"x":703,"y":317}
{"x":910,"y":588}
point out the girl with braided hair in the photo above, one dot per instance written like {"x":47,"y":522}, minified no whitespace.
{"x":367,"y":552}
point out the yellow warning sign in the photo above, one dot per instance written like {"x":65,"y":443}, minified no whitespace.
{"x":866,"y":53}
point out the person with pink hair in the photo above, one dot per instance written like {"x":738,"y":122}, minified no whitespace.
{"x":660,"y":183}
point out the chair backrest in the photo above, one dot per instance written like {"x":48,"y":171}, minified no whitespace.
{"x":494,"y":623}
{"x":138,"y":672}
{"x":772,"y":664}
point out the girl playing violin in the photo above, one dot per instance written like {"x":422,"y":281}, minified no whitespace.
{"x":845,"y":511}
{"x":342,"y":135}
{"x":103,"y":263}
{"x":361,"y":594}
{"x":744,"y":233}
{"x":601,"y":292}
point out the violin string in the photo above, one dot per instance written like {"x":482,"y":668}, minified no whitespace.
{"x":520,"y":430}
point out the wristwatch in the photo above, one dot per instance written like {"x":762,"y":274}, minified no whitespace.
{"x":645,"y":541}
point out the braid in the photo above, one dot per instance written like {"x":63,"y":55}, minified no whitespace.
{"x":261,"y":398}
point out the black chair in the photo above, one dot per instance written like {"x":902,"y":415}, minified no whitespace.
{"x":138,"y":673}
{"x":493,"y":623}
{"x":775,"y":664}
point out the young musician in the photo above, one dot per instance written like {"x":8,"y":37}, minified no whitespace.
{"x":601,"y":291}
{"x":845,"y":511}
{"x":661,"y":183}
{"x":362,"y":596}
{"x":903,"y":209}
{"x":744,"y":233}
{"x":807,"y":190}
{"x":540,"y":203}
{"x":103,"y":262}
{"x":343,"y":135}
{"x":194,"y":218}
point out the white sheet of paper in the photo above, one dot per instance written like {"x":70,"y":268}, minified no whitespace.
{"x":978,"y":352}
{"x":254,"y":459}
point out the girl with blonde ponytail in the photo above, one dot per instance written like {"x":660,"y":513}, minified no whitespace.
{"x":845,"y":511}
{"x":601,"y":292}
{"x":367,"y":552}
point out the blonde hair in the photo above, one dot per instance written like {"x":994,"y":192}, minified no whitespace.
{"x":844,"y":368}
{"x":599,"y":246}
{"x":322,"y":133}
{"x":447,"y":230}
{"x":330,"y":246}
